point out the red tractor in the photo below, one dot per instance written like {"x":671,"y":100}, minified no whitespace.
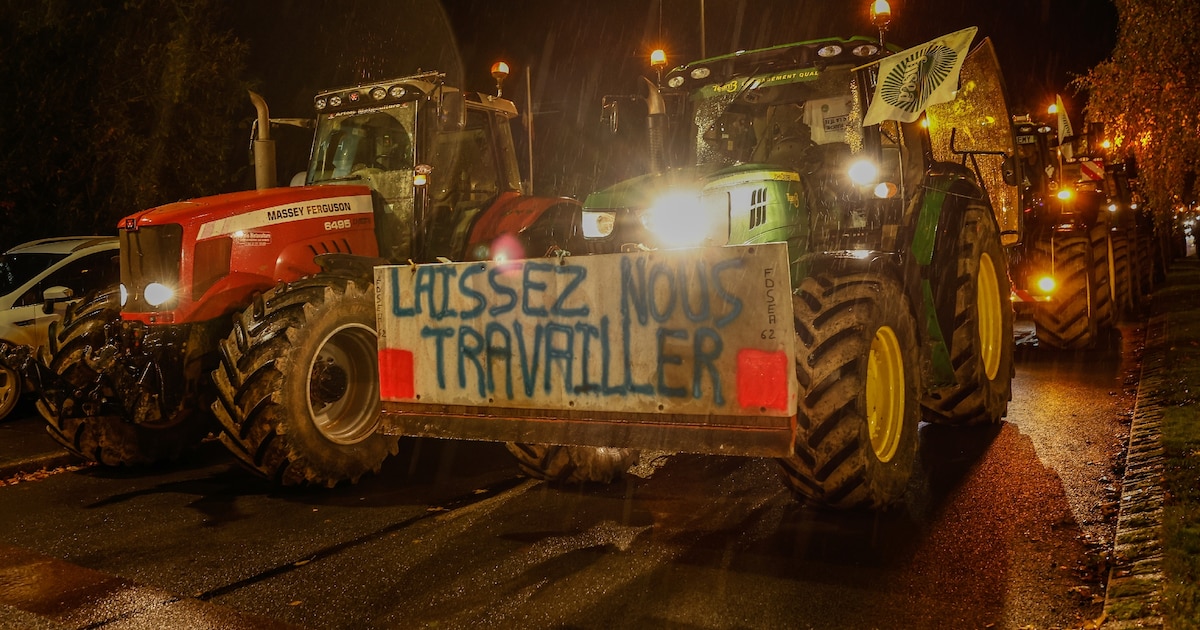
{"x":252,"y":314}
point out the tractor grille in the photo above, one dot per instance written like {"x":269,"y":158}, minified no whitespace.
{"x":149,"y":254}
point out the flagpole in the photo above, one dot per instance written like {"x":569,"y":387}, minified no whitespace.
{"x":881,"y":17}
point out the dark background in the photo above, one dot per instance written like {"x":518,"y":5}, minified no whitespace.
{"x":115,"y":106}
{"x":576,"y":52}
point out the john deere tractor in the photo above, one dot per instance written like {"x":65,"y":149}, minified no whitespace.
{"x":786,"y":281}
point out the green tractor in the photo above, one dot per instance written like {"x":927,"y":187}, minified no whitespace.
{"x":675,"y":332}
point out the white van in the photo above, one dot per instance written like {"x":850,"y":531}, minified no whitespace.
{"x":38,"y":280}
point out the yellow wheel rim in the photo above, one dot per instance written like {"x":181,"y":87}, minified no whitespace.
{"x":990,"y":316}
{"x":885,"y":394}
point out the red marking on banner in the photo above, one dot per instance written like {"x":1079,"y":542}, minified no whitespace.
{"x":396,"y":374}
{"x":762,"y":379}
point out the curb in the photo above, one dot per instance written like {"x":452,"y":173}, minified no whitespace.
{"x":1135,"y":580}
{"x":47,"y":461}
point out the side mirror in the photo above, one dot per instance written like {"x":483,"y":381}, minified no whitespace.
{"x":1008,"y":170}
{"x":610,"y":114}
{"x":452,"y":111}
{"x":55,"y":295}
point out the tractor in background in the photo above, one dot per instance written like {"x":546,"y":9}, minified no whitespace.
{"x":1087,"y":251}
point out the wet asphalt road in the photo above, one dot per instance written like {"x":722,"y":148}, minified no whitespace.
{"x":1008,"y":529}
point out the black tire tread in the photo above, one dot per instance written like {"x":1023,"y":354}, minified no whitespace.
{"x":833,"y":464}
{"x":98,"y":430}
{"x":974,"y":398}
{"x":251,"y":407}
{"x":573,"y":464}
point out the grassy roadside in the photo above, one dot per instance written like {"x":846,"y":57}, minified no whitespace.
{"x":1180,"y":299}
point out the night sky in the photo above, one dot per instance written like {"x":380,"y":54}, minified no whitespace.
{"x":577,"y":51}
{"x":1042,"y":44}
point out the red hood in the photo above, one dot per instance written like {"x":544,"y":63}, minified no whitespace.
{"x":215,"y":207}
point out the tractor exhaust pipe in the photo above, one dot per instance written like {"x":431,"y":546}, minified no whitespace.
{"x":656,"y":126}
{"x":264,"y":146}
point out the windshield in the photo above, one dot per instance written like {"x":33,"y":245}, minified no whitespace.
{"x":364,"y":144}
{"x":17,"y":269}
{"x":772,"y":118}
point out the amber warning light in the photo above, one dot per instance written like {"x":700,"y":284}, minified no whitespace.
{"x":499,"y":73}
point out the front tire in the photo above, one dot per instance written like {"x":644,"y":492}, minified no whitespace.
{"x":858,"y":410}
{"x":83,"y":407}
{"x":298,"y":384}
{"x":12,"y":385}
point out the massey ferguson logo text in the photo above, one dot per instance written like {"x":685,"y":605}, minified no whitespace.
{"x":307,"y":211}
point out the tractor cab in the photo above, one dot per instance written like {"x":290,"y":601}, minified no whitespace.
{"x":434,"y":158}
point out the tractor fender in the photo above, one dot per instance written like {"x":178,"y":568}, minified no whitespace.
{"x":516,"y":216}
{"x":350,"y":265}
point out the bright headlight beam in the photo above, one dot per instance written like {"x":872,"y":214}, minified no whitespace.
{"x":678,"y":219}
{"x":863,"y":172}
{"x":157,"y":293}
{"x":1046,"y":284}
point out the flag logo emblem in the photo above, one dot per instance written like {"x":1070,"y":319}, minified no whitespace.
{"x":913,"y":79}
{"x":909,"y":84}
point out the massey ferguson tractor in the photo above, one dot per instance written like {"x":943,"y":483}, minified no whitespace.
{"x":786,"y":282}
{"x":258,"y":308}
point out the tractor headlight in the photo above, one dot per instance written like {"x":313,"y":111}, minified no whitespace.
{"x":157,"y":294}
{"x":1046,"y":284}
{"x":598,"y":224}
{"x":863,"y":172}
{"x":679,"y":219}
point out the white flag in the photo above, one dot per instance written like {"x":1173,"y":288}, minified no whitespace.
{"x":913,"y":79}
{"x":1065,"y":131}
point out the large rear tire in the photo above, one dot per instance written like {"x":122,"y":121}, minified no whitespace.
{"x":1123,"y":280}
{"x":298,"y":384}
{"x":573,"y":464}
{"x":1104,"y":307}
{"x":1068,"y":321}
{"x":83,"y":406}
{"x":858,"y":410}
{"x":982,"y":341}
